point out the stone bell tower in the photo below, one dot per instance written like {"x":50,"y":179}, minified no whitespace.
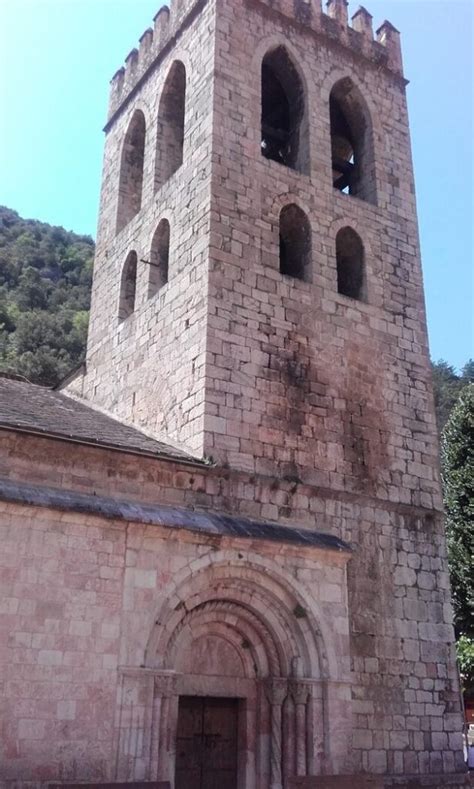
{"x":258,"y":301}
{"x":257,"y":292}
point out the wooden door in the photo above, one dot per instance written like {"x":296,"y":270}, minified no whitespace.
{"x":206,"y":748}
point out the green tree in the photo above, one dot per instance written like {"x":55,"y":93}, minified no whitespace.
{"x":467,"y":374}
{"x":458,"y":481}
{"x":448,"y":385}
{"x":465,"y":650}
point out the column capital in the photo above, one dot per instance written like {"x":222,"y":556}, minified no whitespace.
{"x":300,"y":692}
{"x":276,"y":690}
{"x":165,"y":684}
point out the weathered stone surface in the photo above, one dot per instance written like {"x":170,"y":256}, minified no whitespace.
{"x":212,"y":523}
{"x":338,"y":782}
{"x":311,"y":407}
{"x":103,"y":785}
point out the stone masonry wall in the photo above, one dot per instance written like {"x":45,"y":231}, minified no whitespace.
{"x":405,"y":709}
{"x":148,"y":369}
{"x":302,"y":381}
{"x":80,"y":596}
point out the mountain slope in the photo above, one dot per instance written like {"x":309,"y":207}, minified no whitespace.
{"x":45,"y":282}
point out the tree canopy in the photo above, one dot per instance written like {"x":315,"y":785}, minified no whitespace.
{"x":45,"y":283}
{"x":458,"y":481}
{"x":448,"y":386}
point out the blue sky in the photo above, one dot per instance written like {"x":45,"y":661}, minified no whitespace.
{"x":56,"y":59}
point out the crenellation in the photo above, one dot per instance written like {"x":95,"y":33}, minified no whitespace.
{"x":131,"y":63}
{"x":362,"y":22}
{"x":161,"y":25}
{"x":167,"y":23}
{"x":116,"y":88}
{"x":332,"y":24}
{"x":337,"y":9}
{"x":389,"y":37}
{"x":146,"y":46}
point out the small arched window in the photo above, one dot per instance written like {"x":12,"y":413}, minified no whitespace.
{"x":171,"y":112}
{"x":285,"y":133}
{"x":131,"y":171}
{"x":128,"y":287}
{"x":353,"y":165}
{"x":351,"y":280}
{"x":159,"y":257}
{"x":295,"y":243}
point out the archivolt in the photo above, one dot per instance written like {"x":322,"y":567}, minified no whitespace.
{"x":239,"y":625}
{"x":254,"y":601}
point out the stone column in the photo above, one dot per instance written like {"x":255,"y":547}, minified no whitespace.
{"x":144,"y":726}
{"x":155,"y":736}
{"x":165,"y":702}
{"x":277,"y":690}
{"x":300,"y":693}
{"x":289,"y":759}
{"x":134,"y":724}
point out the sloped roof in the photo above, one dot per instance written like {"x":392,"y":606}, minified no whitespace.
{"x":36,"y":409}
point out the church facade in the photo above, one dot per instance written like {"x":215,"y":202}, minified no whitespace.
{"x":223,"y":551}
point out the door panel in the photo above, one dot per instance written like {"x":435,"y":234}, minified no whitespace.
{"x":206,"y":754}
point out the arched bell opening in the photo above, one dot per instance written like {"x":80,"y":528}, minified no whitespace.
{"x":352,"y":147}
{"x":128,"y":287}
{"x":159,"y":258}
{"x":295,"y":243}
{"x":284,"y":120}
{"x":131,"y":171}
{"x":350,"y":261}
{"x":171,"y":122}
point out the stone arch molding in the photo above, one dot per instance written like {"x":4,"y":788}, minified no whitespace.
{"x":273,"y":42}
{"x":283,"y":199}
{"x":337,"y":75}
{"x":354,"y":224}
{"x":254,"y":595}
{"x":178,"y":54}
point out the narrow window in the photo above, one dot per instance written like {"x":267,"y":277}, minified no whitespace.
{"x":353,"y":168}
{"x":131,"y":171}
{"x":128,"y":286}
{"x":159,"y":257}
{"x":169,"y":153}
{"x":285,"y":134}
{"x":295,"y":243}
{"x":350,"y":264}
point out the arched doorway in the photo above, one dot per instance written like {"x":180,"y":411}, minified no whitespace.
{"x":236,"y":661}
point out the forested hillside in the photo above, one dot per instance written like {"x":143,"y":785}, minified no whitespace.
{"x":45,"y":282}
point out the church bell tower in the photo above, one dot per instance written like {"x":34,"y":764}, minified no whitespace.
{"x":257,"y":291}
{"x":258,"y":302}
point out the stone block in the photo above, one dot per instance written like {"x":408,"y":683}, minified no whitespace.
{"x":337,"y":782}
{"x":119,"y":785}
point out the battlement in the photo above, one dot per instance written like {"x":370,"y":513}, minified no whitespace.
{"x":384,"y":50}
{"x":152,"y":44}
